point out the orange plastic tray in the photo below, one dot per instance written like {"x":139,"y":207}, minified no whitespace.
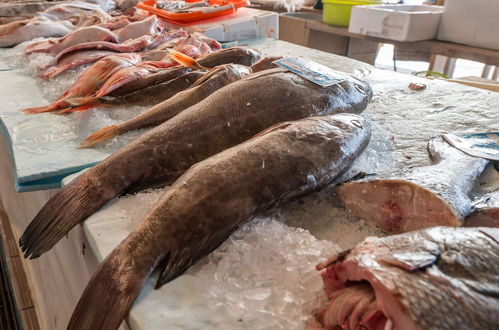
{"x":148,"y":5}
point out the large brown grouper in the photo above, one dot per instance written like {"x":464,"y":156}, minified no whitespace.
{"x":227,"y":117}
{"x":439,"y":278}
{"x":211,"y":200}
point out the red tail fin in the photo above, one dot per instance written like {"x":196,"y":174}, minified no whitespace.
{"x":80,"y":104}
{"x":185,"y":60}
{"x":57,"y":105}
{"x":100,"y":136}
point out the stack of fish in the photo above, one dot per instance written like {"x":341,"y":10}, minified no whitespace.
{"x":234,"y":136}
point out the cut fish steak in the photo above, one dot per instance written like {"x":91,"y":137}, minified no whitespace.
{"x":138,"y":29}
{"x":418,"y":197}
{"x":434,"y":279}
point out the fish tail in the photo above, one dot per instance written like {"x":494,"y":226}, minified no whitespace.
{"x":61,"y":104}
{"x":185,"y":60}
{"x":70,"y":206}
{"x":100,"y":136}
{"x":81,"y":103}
{"x":52,"y":71}
{"x":115,"y":285}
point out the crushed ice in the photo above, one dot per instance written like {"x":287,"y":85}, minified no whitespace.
{"x":264,"y":275}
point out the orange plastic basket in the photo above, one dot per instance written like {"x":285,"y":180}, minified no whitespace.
{"x":148,"y":5}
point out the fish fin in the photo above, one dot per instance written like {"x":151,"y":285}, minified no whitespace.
{"x":67,"y":208}
{"x":61,"y":104}
{"x":273,"y":128}
{"x":52,"y":71}
{"x":185,"y":60}
{"x":82,"y":103}
{"x":180,"y":258}
{"x":100,"y":136}
{"x":69,"y":110}
{"x":265,"y":63}
{"x":114,"y":286}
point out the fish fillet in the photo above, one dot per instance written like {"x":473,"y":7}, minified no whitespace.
{"x":227,"y":117}
{"x":418,"y":197}
{"x":211,"y":200}
{"x":438,"y":278}
{"x":80,"y":36}
{"x":36,"y":27}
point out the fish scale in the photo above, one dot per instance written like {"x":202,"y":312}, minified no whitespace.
{"x":459,"y":292}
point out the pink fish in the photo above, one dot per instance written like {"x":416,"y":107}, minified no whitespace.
{"x":80,"y":36}
{"x":90,"y":80}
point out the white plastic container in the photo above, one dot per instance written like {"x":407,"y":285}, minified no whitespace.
{"x":474,"y":23}
{"x":396,"y":22}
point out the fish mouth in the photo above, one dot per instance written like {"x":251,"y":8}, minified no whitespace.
{"x":357,"y":300}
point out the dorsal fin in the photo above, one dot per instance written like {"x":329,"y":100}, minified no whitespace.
{"x":185,"y":60}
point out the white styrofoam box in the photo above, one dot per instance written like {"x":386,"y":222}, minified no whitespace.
{"x":396,"y":22}
{"x":474,"y":23}
{"x":246,"y":29}
{"x":245,"y":24}
{"x":268,"y":24}
{"x":215,"y":32}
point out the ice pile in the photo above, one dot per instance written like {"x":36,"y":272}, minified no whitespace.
{"x":264,"y":275}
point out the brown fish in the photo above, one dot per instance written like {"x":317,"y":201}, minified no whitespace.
{"x":211,"y":82}
{"x":486,"y":211}
{"x":147,"y":96}
{"x":438,"y":278}
{"x":420,"y":197}
{"x":211,"y":200}
{"x":235,"y":55}
{"x":227,"y":117}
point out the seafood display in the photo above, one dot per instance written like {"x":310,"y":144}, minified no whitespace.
{"x":438,"y":278}
{"x":227,"y":117}
{"x":232,"y":135}
{"x":120,"y":75}
{"x":485,"y":211}
{"x":56,"y":21}
{"x":419,"y":197}
{"x":211,"y":200}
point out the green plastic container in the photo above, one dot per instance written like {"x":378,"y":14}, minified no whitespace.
{"x":337,"y":12}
